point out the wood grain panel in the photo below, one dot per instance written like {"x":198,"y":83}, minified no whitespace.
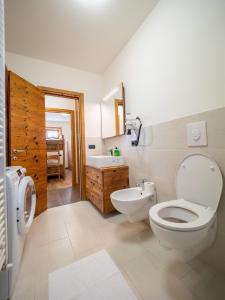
{"x":101,"y":182}
{"x":27,"y":132}
{"x":94,"y":174}
{"x":32,"y":139}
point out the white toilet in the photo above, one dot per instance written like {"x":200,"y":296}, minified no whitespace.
{"x":133,"y":202}
{"x":188,"y":224}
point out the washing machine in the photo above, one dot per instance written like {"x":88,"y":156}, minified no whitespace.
{"x":21,"y":203}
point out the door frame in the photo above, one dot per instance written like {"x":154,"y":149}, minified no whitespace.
{"x":80,"y":124}
{"x":74,"y":136}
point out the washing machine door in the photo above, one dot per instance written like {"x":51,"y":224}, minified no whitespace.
{"x":26,"y":204}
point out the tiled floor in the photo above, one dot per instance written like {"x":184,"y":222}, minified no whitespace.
{"x":67,"y":233}
{"x":94,"y":275}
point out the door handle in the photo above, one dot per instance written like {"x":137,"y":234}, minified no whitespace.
{"x":15,"y":151}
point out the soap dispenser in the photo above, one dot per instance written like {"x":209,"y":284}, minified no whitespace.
{"x":116,"y":152}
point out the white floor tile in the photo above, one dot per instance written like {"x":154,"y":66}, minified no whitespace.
{"x":115,"y":288}
{"x":63,"y":235}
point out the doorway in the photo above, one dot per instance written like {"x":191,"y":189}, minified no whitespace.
{"x":62,"y":150}
{"x":80,"y":149}
{"x":62,"y":184}
{"x":26,"y":133}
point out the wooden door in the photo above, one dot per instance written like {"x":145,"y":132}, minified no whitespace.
{"x":27,"y":142}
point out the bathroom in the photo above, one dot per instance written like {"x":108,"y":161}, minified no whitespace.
{"x":168,"y":68}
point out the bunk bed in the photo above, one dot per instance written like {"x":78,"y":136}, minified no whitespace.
{"x":56,"y":157}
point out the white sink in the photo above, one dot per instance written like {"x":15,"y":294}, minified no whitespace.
{"x":102,"y":161}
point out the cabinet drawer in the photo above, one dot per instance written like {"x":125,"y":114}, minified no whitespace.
{"x":92,"y":185}
{"x":115,"y":172}
{"x":118,"y":183}
{"x":94,"y":175}
{"x":116,"y":178}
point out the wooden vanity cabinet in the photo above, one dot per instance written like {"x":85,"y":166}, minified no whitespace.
{"x":101,"y":182}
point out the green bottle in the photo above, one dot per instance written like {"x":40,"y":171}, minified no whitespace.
{"x":116,"y":152}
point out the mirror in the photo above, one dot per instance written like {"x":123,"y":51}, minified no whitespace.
{"x":113,"y":112}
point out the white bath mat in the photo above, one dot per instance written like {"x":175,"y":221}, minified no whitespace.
{"x":95,"y":277}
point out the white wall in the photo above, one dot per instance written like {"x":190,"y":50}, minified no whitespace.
{"x":66,"y":131}
{"x":56,"y":76}
{"x":59,"y":102}
{"x":172,"y":67}
{"x":63,"y":103}
{"x":175,"y":64}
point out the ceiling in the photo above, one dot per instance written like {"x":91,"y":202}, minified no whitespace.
{"x":57,"y":117}
{"x":83,"y":34}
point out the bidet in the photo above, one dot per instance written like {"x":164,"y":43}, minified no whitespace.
{"x":133,"y":202}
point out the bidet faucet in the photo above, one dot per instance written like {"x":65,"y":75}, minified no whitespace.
{"x":141,"y":183}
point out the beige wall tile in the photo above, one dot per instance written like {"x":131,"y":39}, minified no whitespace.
{"x":159,"y":162}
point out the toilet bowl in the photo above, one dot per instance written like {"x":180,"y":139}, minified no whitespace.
{"x":133,"y":202}
{"x":188,"y":224}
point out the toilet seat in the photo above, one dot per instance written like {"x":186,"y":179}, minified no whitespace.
{"x":188,"y":224}
{"x":181,"y":215}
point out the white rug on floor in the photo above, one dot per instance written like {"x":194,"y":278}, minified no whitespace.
{"x":95,"y":277}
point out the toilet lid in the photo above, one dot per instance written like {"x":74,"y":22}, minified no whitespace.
{"x":199,"y":180}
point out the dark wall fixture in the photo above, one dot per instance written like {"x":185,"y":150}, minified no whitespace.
{"x":134,"y":125}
